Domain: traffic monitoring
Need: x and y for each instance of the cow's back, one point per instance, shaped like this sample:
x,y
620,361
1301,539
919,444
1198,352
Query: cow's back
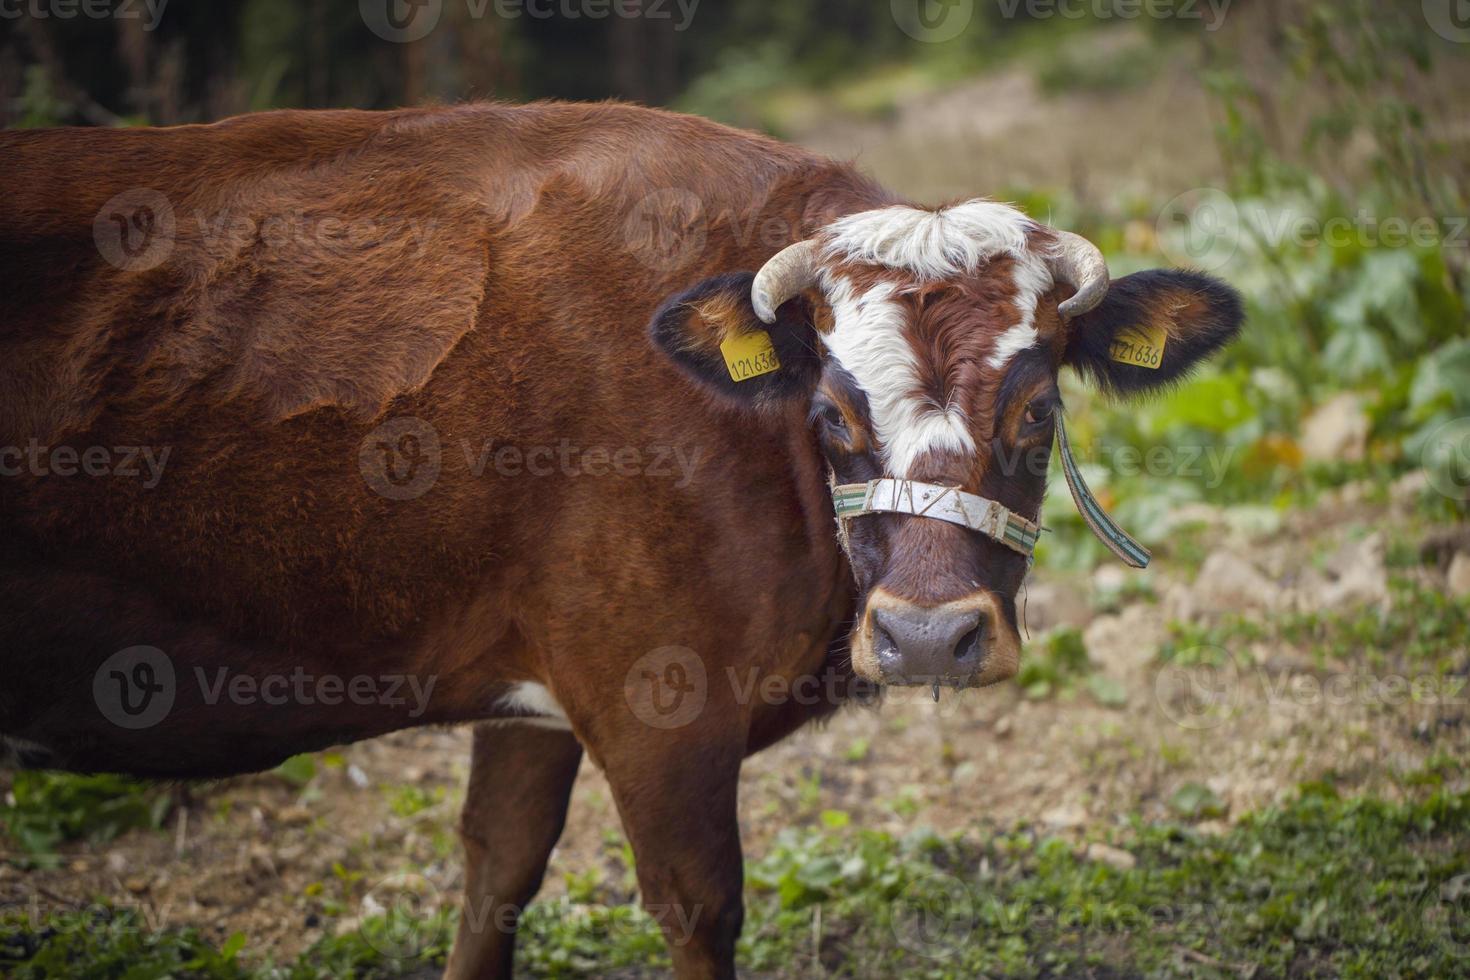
x,y
344,329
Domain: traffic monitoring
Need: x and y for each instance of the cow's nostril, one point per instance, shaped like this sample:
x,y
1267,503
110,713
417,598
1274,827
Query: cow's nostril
x,y
969,644
886,647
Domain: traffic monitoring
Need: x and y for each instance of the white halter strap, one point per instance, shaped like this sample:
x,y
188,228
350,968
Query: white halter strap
x,y
889,496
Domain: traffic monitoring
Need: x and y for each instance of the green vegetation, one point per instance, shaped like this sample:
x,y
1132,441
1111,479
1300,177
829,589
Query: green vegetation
x,y
1420,628
1321,886
44,809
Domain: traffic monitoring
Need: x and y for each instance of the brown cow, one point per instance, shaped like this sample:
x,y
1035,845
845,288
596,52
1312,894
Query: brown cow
x,y
315,426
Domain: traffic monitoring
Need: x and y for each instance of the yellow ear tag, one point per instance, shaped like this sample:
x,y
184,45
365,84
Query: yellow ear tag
x,y
1139,346
749,355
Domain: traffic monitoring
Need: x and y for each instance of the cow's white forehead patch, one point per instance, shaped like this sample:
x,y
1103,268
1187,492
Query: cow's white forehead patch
x,y
867,337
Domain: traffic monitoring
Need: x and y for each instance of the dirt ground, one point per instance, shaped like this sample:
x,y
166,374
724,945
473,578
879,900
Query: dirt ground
x,y
282,863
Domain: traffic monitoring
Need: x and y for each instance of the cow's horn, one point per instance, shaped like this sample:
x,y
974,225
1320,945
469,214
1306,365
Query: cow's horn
x,y
785,274
1079,264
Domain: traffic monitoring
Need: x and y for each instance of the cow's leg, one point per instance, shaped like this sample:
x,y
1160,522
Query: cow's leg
x,y
675,791
520,783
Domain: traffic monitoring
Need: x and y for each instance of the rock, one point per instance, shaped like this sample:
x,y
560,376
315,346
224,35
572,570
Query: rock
x,y
1228,583
1178,603
1113,857
1110,578
1360,576
1457,580
1337,430
1065,817
293,816
1405,492
1124,644
1048,603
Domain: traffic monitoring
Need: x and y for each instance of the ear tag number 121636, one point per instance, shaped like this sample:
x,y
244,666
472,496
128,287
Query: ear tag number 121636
x,y
749,355
1139,346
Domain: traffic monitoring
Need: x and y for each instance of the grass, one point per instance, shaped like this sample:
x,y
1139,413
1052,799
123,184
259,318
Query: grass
x,y
1320,886
1421,628
44,809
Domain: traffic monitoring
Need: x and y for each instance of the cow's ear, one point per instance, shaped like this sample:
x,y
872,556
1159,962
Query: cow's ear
x,y
1153,329
712,333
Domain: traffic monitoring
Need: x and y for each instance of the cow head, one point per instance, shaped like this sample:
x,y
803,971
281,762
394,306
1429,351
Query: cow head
x,y
926,345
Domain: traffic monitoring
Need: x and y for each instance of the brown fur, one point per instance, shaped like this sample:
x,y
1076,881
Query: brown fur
x,y
264,365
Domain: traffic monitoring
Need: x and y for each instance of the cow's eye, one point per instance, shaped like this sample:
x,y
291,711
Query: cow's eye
x,y
832,418
1040,410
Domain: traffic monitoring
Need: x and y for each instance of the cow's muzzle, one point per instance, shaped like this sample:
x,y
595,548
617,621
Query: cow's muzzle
x,y
963,643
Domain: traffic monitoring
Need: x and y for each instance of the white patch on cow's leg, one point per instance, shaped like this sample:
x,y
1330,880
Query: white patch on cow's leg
x,y
530,703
